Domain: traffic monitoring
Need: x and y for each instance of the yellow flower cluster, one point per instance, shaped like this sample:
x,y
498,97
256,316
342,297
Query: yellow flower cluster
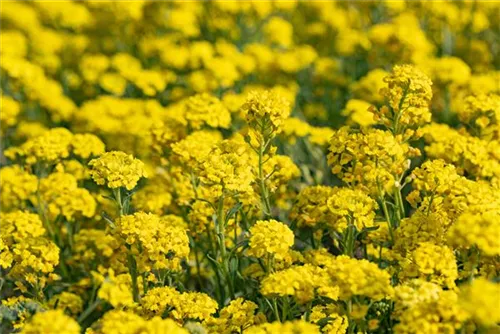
x,y
359,278
470,154
310,208
270,238
117,169
157,244
424,307
60,194
477,230
67,301
300,282
119,321
249,167
336,324
24,249
266,111
204,109
369,159
10,110
237,316
358,112
227,169
350,207
408,94
480,301
116,289
482,114
56,144
296,327
17,186
187,305
431,262
52,321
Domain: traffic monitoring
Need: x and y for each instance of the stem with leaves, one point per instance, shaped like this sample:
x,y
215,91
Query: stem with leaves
x,y
122,206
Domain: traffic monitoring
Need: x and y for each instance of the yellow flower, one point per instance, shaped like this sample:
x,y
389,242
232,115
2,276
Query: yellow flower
x,y
480,300
20,225
227,169
301,282
295,326
52,321
482,113
117,169
358,113
270,238
336,324
266,111
368,87
431,262
33,259
204,109
447,70
310,208
117,290
480,230
158,245
10,109
17,187
408,94
67,301
368,158
49,147
195,147
61,196
113,83
235,317
359,278
350,207
91,246
86,145
127,322
153,197
181,306
424,307
279,31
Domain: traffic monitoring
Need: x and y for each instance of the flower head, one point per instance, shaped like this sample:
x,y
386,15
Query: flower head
x,y
270,237
117,169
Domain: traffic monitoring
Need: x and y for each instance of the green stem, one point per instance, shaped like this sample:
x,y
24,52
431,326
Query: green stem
x,y
447,102
198,267
132,267
262,182
118,199
222,245
399,202
350,329
284,311
220,227
308,310
388,218
43,215
349,240
275,309
88,311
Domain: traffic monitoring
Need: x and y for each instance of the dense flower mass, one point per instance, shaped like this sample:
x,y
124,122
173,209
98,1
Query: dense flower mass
x,y
249,167
117,169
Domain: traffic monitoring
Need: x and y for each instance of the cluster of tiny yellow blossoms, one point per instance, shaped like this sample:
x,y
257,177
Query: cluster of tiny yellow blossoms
x,y
155,242
266,111
270,238
408,94
117,169
249,167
